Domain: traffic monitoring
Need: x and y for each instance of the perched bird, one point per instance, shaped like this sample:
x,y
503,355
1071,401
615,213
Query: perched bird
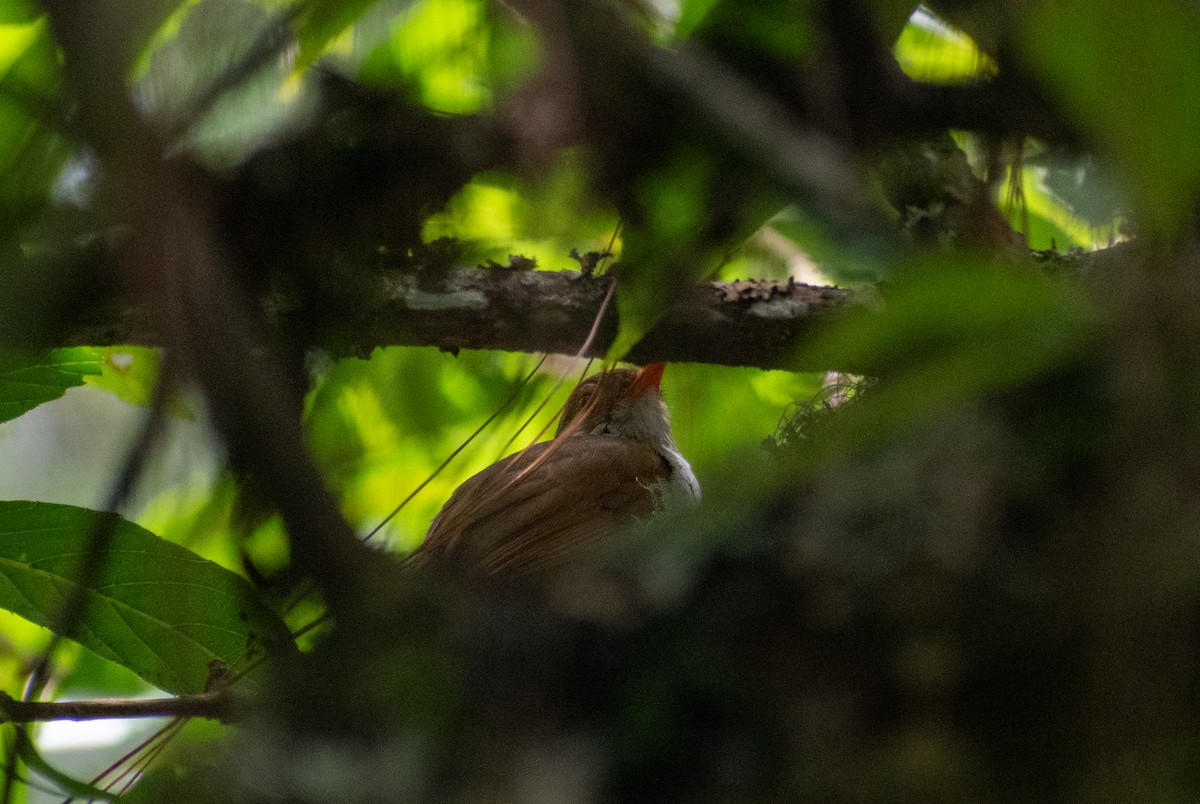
x,y
612,460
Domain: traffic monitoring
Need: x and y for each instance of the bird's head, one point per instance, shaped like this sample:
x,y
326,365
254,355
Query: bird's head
x,y
620,402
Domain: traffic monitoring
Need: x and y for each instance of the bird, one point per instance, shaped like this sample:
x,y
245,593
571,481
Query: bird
x,y
612,460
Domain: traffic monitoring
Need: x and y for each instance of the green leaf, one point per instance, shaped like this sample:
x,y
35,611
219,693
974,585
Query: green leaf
x,y
130,373
318,24
771,29
1130,73
127,372
186,66
15,39
691,15
157,609
669,247
439,47
929,49
952,331
27,379
17,12
33,149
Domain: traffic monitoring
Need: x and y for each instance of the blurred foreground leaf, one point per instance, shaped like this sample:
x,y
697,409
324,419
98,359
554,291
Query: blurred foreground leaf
x,y
953,331
157,609
318,24
1130,72
27,379
931,50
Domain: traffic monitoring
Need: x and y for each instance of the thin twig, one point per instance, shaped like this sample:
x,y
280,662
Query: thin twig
x,y
152,745
164,734
138,767
516,392
215,705
587,344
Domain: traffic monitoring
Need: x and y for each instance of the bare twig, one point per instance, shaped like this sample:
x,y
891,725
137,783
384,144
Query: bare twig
x,y
503,405
215,705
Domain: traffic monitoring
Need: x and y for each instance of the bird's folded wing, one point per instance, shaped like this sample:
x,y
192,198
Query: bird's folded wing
x,y
532,508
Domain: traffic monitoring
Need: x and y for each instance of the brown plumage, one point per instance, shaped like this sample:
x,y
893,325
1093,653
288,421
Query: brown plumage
x,y
611,461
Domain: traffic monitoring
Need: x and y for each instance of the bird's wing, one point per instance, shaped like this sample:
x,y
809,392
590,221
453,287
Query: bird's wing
x,y
530,509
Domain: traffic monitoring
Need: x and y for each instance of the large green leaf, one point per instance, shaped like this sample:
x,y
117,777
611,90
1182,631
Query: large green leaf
x,y
951,331
158,609
1130,73
27,379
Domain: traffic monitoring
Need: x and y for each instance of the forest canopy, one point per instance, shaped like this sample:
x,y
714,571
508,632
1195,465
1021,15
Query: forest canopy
x,y
276,277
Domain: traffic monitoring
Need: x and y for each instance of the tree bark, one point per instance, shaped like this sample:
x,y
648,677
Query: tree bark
x,y
762,323
744,323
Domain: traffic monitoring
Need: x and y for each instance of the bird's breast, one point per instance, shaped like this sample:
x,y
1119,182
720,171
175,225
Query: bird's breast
x,y
681,487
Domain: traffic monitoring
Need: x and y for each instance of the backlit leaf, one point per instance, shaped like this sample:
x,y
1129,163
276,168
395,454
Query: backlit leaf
x,y
27,379
157,608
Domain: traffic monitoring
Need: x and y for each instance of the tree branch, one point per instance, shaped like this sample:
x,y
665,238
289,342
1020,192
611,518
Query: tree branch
x,y
215,705
746,323
762,323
